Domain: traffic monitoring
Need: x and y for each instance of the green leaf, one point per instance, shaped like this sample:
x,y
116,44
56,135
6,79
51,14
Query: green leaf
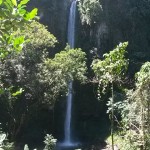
x,y
22,11
31,15
23,2
14,2
18,92
2,137
18,43
1,2
9,6
1,90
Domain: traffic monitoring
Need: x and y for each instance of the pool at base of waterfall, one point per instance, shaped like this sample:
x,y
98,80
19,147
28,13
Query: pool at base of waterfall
x,y
68,146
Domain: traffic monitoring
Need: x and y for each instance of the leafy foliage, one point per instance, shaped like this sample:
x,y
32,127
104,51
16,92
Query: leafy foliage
x,y
4,144
111,70
112,67
50,142
90,11
19,66
122,142
143,76
37,36
26,147
12,17
136,110
19,74
38,42
56,73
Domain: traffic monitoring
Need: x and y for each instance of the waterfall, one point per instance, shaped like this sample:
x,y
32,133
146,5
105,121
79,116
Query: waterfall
x,y
68,116
68,143
71,24
71,42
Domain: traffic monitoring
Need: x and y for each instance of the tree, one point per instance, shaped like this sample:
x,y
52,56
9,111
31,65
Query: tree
x,y
12,17
143,95
136,110
55,74
90,11
109,71
19,76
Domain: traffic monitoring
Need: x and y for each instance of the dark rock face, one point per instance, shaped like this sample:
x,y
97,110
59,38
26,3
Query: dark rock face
x,y
120,21
54,14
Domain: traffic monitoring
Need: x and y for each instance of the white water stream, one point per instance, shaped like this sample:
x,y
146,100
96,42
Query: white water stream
x,y
71,42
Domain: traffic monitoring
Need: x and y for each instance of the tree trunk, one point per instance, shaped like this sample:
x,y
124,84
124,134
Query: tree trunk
x,y
143,121
112,117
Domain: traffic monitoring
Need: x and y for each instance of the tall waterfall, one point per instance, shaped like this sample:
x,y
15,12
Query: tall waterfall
x,y
71,42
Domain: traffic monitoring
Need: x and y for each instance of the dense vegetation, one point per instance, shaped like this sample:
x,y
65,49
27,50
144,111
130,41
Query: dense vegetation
x,y
32,79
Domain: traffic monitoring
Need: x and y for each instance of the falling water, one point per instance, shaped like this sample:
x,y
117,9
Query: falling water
x,y
71,42
71,24
68,116
68,143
